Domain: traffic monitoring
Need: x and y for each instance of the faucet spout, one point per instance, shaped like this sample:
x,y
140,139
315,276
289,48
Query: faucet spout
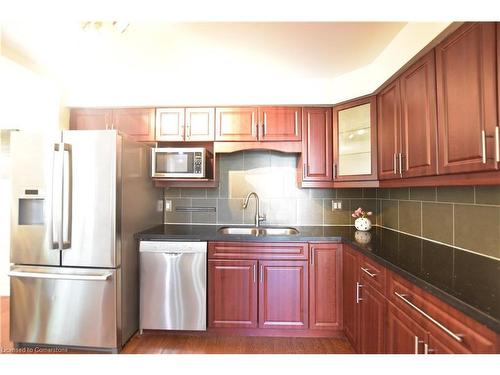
x,y
258,218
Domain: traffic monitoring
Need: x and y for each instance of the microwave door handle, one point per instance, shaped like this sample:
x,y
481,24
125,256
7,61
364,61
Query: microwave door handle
x,y
67,192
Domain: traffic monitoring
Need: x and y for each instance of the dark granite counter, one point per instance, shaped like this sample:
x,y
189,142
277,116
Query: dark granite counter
x,y
467,281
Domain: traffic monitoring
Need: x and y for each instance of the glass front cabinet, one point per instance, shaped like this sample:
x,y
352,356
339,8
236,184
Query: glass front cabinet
x,y
354,140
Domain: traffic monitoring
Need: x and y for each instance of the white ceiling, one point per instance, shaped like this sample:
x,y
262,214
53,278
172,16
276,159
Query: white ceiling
x,y
302,50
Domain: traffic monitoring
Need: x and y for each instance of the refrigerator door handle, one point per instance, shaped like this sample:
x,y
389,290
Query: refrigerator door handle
x,y
67,199
60,276
56,211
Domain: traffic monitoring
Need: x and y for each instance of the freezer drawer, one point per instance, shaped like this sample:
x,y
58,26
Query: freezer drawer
x,y
173,285
64,306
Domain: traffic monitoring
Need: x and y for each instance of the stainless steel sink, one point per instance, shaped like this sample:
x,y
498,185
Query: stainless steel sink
x,y
261,231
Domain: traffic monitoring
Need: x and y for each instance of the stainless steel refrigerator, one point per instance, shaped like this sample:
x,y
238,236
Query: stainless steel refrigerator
x,y
78,197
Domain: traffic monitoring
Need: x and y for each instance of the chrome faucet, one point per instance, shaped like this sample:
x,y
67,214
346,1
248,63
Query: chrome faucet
x,y
258,217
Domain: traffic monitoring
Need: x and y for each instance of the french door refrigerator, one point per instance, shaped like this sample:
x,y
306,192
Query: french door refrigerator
x,y
78,197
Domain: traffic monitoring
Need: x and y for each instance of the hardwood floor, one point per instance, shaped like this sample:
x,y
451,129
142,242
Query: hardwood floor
x,y
165,343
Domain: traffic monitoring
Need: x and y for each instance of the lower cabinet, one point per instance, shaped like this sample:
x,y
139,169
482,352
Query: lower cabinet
x,y
404,334
232,293
372,314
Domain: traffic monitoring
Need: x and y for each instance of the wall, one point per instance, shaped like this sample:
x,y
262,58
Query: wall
x,y
467,217
272,175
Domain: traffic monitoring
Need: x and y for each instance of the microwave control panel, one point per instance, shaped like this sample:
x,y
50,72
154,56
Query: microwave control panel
x,y
197,163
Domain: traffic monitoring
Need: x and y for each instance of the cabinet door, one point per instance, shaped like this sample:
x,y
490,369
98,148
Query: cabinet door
x,y
317,144
283,297
372,321
236,124
404,335
280,123
467,99
200,123
170,124
325,287
418,120
349,290
90,119
232,293
388,124
355,141
139,123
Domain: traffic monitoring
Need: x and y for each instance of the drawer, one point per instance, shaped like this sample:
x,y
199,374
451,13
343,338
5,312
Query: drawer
x,y
372,274
258,250
442,321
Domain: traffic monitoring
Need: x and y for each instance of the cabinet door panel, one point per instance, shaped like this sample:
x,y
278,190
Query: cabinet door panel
x,y
280,123
372,321
236,124
388,130
139,123
232,293
283,297
325,287
350,311
200,123
170,124
90,119
317,144
467,99
418,120
404,335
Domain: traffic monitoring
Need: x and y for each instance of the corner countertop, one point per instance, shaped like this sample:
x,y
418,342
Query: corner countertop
x,y
467,281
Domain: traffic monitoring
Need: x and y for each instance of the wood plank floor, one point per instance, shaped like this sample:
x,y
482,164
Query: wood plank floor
x,y
166,343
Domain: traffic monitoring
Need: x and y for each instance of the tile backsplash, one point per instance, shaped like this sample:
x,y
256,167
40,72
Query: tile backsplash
x,y
467,217
273,176
464,216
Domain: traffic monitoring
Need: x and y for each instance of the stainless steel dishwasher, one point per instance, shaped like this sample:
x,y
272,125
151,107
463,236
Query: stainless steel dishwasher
x,y
173,285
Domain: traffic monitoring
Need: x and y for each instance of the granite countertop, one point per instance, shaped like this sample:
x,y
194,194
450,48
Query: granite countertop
x,y
466,281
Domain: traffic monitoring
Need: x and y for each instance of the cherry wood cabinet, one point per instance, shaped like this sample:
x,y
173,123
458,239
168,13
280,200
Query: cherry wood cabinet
x,y
355,140
466,73
350,289
185,124
372,314
404,334
325,286
280,123
138,123
236,124
232,293
419,119
317,144
389,130
283,294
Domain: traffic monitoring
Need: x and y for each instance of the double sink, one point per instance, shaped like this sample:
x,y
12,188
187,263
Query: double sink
x,y
259,231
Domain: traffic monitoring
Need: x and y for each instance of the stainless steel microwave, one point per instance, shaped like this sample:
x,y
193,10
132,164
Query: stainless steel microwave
x,y
178,162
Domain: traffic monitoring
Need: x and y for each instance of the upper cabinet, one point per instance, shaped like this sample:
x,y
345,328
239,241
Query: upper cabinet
x,y
407,123
258,124
185,124
466,64
138,123
317,144
355,141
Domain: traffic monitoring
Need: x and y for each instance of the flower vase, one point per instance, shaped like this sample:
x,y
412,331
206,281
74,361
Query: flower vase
x,y
362,223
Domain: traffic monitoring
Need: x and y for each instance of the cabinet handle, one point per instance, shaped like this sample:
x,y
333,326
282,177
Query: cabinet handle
x,y
417,344
365,270
254,273
454,335
358,292
264,126
335,171
312,257
188,131
401,164
306,170
261,273
296,124
497,144
395,164
427,350
256,125
483,145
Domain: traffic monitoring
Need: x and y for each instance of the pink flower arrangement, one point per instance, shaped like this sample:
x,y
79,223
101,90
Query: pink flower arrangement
x,y
360,213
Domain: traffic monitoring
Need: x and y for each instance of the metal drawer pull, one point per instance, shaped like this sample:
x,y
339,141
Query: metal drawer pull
x,y
497,144
395,163
358,294
483,145
365,270
455,336
417,343
59,276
